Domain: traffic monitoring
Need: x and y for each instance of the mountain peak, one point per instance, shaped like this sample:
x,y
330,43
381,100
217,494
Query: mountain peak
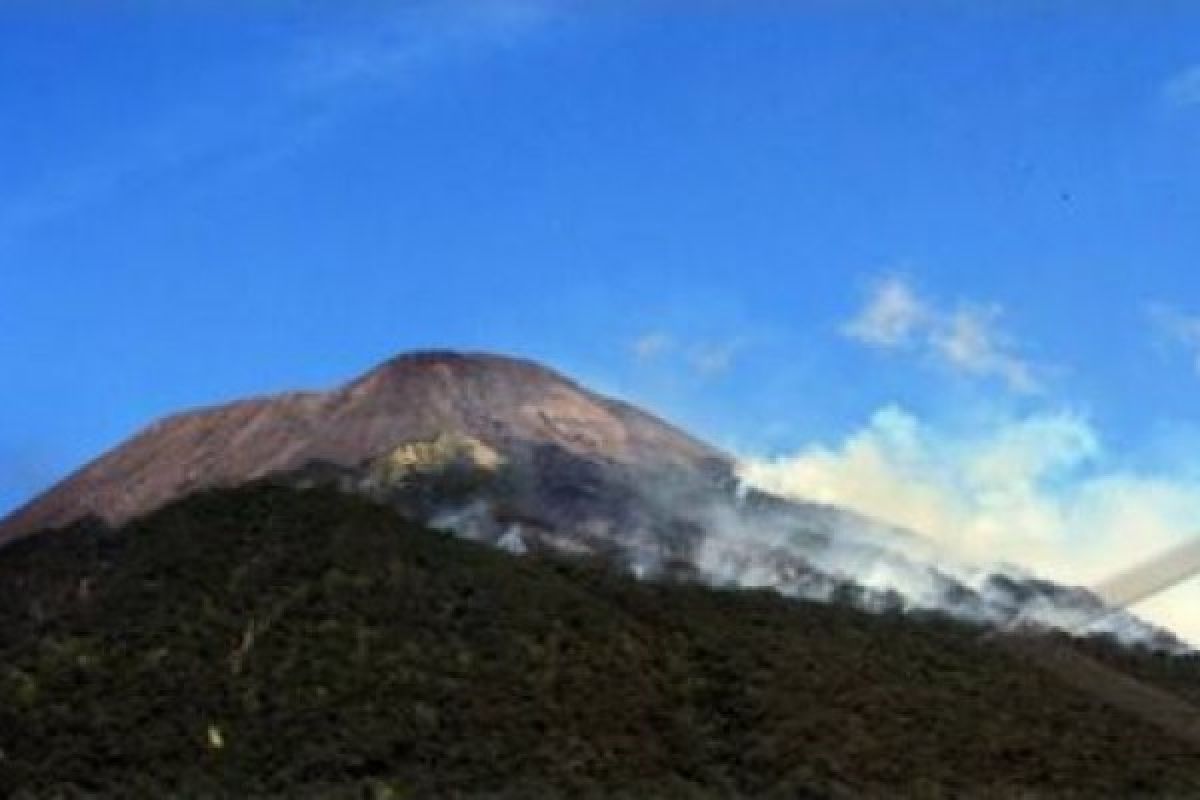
x,y
449,370
512,405
461,359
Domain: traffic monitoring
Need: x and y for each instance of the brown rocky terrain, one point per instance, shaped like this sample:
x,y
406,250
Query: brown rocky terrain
x,y
522,412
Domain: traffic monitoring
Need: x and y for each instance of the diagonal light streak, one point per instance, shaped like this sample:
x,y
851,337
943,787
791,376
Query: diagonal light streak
x,y
1153,576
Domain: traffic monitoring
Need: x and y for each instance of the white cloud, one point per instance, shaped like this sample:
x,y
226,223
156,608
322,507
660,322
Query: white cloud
x,y
713,359
970,340
890,317
1179,329
1183,88
414,36
967,339
705,359
651,345
1038,491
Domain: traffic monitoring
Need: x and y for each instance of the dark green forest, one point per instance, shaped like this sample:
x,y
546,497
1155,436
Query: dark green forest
x,y
266,641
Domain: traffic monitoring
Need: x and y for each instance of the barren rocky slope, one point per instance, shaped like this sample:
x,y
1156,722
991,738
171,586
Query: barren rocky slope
x,y
523,411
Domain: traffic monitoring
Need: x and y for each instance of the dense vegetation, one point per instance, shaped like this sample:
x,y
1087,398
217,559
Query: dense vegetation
x,y
267,641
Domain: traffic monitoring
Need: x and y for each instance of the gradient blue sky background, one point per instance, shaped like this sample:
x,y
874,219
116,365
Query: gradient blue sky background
x,y
770,222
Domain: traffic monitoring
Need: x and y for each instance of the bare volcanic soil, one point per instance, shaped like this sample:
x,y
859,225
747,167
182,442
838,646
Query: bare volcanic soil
x,y
513,406
266,641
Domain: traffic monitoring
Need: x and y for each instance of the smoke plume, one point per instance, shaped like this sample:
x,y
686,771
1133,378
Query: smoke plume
x,y
1038,491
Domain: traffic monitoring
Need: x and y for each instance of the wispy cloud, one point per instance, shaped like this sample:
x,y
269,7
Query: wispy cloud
x,y
968,338
890,317
1177,328
971,340
715,358
415,37
652,345
705,359
1183,88
283,105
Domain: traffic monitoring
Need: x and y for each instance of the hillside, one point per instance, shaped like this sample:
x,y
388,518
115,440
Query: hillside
x,y
509,452
274,642
528,415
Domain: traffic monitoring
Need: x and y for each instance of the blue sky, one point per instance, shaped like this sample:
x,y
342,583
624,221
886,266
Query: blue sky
x,y
771,222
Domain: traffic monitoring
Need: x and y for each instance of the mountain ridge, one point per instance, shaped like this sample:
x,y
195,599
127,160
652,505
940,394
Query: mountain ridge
x,y
511,453
414,396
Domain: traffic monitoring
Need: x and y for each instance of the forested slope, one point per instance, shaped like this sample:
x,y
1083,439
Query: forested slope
x,y
267,641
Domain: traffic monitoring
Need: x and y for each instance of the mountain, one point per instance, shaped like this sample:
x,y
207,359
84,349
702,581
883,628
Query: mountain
x,y
510,453
270,642
529,414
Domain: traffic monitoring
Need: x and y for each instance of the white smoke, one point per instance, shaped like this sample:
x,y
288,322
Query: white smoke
x,y
1039,491
953,521
473,521
512,541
